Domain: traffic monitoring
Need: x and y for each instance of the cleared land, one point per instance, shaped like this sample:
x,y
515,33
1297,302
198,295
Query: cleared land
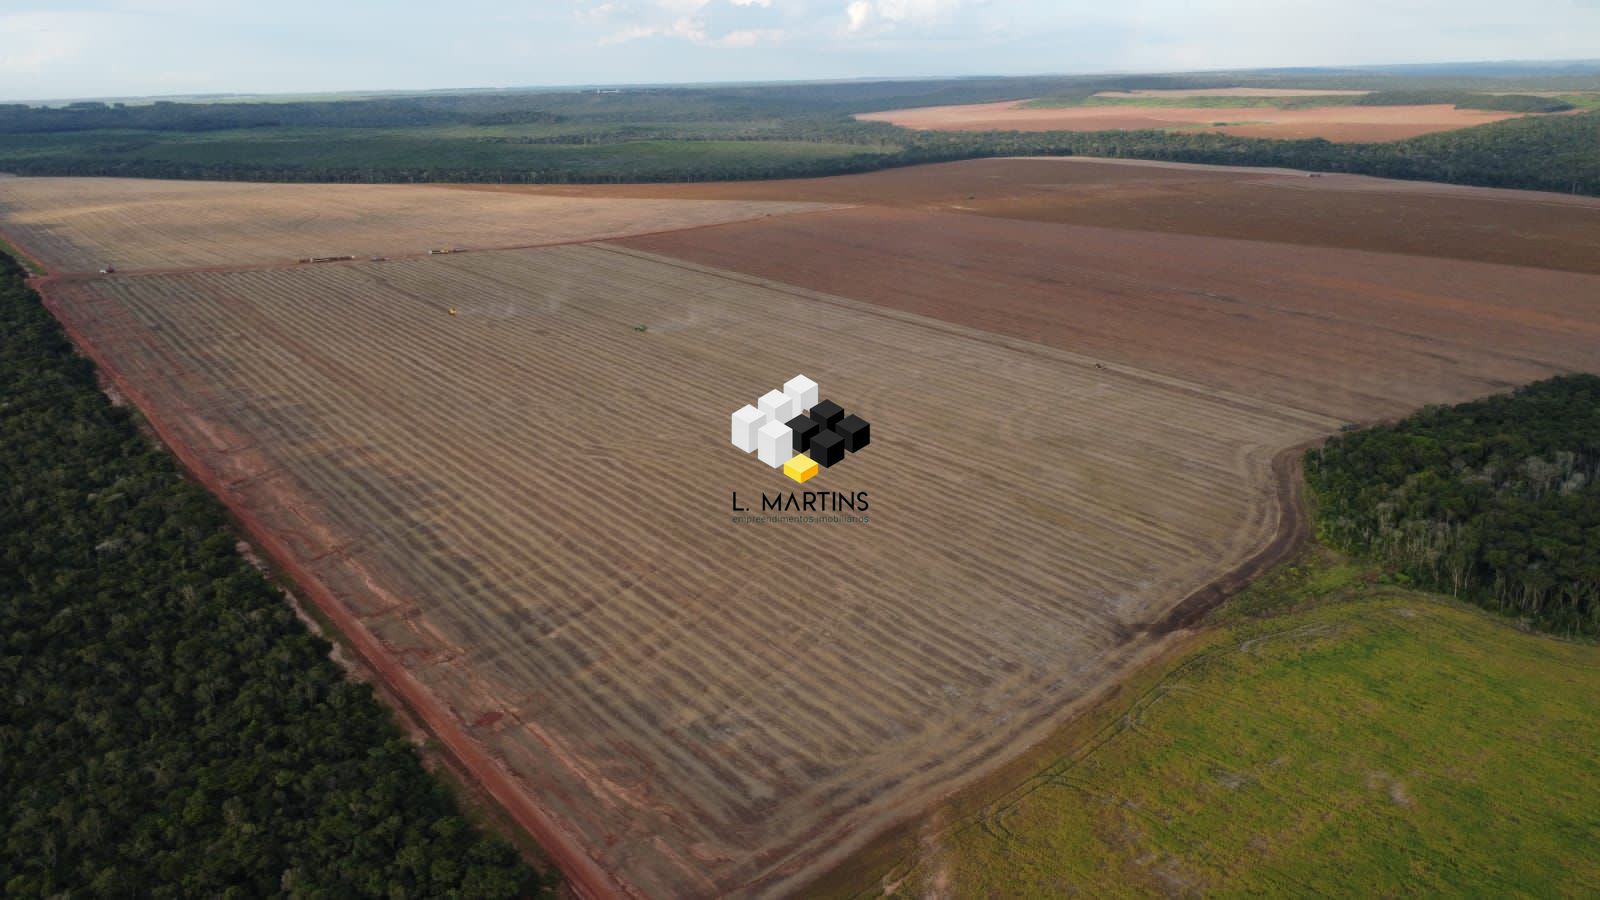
x,y
1342,333
1334,123
1523,228
1386,744
83,224
1179,93
528,504
522,511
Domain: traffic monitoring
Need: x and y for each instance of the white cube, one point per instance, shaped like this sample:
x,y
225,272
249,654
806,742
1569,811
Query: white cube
x,y
776,441
803,391
778,406
746,422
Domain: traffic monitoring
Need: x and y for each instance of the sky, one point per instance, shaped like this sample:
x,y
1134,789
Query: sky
x,y
80,48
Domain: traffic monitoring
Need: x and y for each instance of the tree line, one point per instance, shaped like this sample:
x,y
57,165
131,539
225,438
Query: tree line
x,y
1496,501
170,728
1556,153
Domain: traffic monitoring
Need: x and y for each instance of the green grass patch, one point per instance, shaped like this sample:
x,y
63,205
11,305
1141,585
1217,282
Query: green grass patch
x,y
1581,101
7,249
1333,735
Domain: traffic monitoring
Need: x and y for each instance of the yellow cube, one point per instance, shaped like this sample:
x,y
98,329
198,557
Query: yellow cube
x,y
800,468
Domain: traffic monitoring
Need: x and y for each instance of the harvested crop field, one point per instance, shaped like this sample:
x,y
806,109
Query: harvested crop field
x,y
1342,333
1334,123
84,224
528,505
1522,228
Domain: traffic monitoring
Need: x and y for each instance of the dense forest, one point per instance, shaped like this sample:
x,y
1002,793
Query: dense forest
x,y
778,131
171,729
1495,501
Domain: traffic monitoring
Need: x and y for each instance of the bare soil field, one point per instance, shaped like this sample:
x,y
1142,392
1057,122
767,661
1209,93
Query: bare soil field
x,y
521,512
1231,92
1334,123
1524,228
84,224
527,505
1342,333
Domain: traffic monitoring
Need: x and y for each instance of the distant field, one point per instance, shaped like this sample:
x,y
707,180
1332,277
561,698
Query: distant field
x,y
1519,228
1196,93
1219,98
1336,123
83,224
1383,744
1342,333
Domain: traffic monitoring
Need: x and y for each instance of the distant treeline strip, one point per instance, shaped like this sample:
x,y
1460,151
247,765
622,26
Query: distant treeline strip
x,y
1549,153
171,729
1495,501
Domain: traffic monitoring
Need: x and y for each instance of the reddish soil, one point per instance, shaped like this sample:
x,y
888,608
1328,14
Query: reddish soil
x,y
1525,228
1334,123
1351,334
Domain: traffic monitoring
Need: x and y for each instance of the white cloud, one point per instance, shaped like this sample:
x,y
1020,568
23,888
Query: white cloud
x,y
863,16
39,41
857,14
749,37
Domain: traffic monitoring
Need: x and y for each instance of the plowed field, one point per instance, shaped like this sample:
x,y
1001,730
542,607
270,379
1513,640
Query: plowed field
x,y
1524,228
528,504
507,474
84,224
1342,333
1334,123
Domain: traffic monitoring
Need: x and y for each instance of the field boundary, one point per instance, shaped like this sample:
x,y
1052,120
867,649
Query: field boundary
x,y
584,877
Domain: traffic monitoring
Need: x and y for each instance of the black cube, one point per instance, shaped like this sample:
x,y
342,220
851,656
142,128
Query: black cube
x,y
827,448
827,413
855,431
804,428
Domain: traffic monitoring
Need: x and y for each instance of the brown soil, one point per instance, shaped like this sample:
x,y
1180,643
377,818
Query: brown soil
x,y
1334,123
486,501
396,461
84,224
1525,228
1231,92
1349,334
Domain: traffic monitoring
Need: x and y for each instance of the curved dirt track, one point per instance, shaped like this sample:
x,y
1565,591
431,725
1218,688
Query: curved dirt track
x,y
1294,528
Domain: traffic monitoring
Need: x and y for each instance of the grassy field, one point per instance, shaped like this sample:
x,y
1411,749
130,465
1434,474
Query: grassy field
x,y
1335,736
21,258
